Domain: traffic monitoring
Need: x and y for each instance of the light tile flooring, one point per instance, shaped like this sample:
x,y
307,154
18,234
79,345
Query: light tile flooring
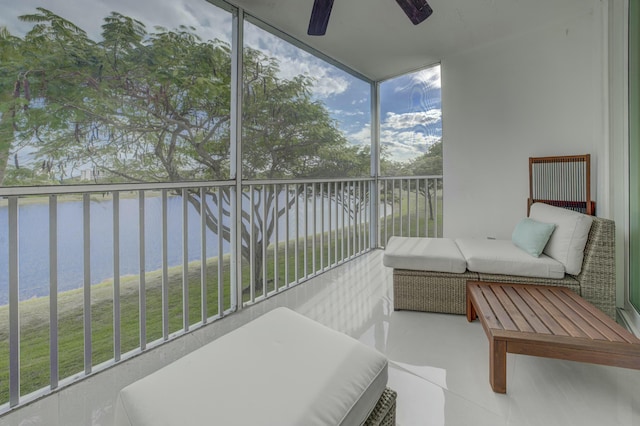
x,y
439,363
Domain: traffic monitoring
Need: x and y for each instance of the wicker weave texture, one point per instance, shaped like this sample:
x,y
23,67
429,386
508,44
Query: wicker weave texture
x,y
384,413
430,291
568,281
598,275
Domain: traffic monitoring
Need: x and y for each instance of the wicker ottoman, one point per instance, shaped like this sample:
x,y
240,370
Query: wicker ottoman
x,y
429,274
280,369
430,291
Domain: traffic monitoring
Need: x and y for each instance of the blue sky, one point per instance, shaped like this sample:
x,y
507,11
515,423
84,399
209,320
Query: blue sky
x,y
411,116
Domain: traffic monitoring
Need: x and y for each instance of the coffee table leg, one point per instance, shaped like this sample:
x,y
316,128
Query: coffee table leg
x,y
498,365
471,311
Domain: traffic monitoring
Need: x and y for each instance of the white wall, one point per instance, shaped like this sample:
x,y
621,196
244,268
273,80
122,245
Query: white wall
x,y
535,94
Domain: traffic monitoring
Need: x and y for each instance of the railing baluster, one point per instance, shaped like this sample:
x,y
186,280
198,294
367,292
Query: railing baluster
x,y
252,244
329,223
386,215
401,214
286,235
313,218
426,207
165,266
204,314
117,350
335,202
86,236
220,255
417,208
356,218
53,291
357,213
142,289
408,207
365,221
306,228
296,256
368,212
265,240
393,206
321,195
14,313
435,213
349,224
363,215
276,230
342,225
185,259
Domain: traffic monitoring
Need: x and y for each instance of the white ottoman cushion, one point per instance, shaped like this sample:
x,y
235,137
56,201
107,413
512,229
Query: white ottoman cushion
x,y
280,369
503,257
424,254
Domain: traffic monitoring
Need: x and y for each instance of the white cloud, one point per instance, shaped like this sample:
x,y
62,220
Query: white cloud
x,y
415,141
294,61
426,79
327,81
361,137
343,113
404,135
430,77
411,119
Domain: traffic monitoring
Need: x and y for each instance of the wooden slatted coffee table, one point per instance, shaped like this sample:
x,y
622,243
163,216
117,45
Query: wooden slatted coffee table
x,y
546,321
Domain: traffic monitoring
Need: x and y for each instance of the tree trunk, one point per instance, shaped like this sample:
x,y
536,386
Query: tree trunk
x,y
430,202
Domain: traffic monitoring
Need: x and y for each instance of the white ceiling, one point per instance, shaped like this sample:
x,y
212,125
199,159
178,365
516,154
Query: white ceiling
x,y
376,39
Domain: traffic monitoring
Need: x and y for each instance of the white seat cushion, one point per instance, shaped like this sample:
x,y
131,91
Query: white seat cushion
x,y
503,257
280,369
424,254
567,242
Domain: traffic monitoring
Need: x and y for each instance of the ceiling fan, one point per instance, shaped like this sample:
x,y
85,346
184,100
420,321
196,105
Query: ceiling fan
x,y
416,10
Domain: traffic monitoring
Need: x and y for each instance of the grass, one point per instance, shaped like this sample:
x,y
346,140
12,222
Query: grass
x,y
34,322
34,313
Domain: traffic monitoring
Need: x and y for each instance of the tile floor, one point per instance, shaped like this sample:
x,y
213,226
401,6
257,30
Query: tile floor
x,y
439,363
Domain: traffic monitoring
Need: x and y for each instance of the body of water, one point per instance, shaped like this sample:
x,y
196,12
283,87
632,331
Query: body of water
x,y
33,240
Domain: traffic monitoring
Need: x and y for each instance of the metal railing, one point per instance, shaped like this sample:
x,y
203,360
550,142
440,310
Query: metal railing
x,y
297,229
126,237
129,267
410,206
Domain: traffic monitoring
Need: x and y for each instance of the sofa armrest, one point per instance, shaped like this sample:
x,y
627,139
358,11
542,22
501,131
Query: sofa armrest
x,y
597,277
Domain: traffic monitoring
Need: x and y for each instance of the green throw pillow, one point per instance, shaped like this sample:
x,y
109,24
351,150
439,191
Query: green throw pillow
x,y
531,235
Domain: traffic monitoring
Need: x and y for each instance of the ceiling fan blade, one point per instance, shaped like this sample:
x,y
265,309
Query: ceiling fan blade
x,y
319,17
416,10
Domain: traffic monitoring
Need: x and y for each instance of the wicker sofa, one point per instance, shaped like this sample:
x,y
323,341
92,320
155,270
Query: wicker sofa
x,y
430,291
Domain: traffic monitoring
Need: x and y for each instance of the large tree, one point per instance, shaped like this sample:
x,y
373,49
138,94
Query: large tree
x,y
142,106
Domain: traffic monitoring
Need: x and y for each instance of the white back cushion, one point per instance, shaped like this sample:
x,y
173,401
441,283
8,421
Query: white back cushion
x,y
568,240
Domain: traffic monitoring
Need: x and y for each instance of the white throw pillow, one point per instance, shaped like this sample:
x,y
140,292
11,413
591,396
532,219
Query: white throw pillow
x,y
568,240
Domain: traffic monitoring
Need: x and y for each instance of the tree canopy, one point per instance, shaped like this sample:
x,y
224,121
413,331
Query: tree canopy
x,y
154,106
